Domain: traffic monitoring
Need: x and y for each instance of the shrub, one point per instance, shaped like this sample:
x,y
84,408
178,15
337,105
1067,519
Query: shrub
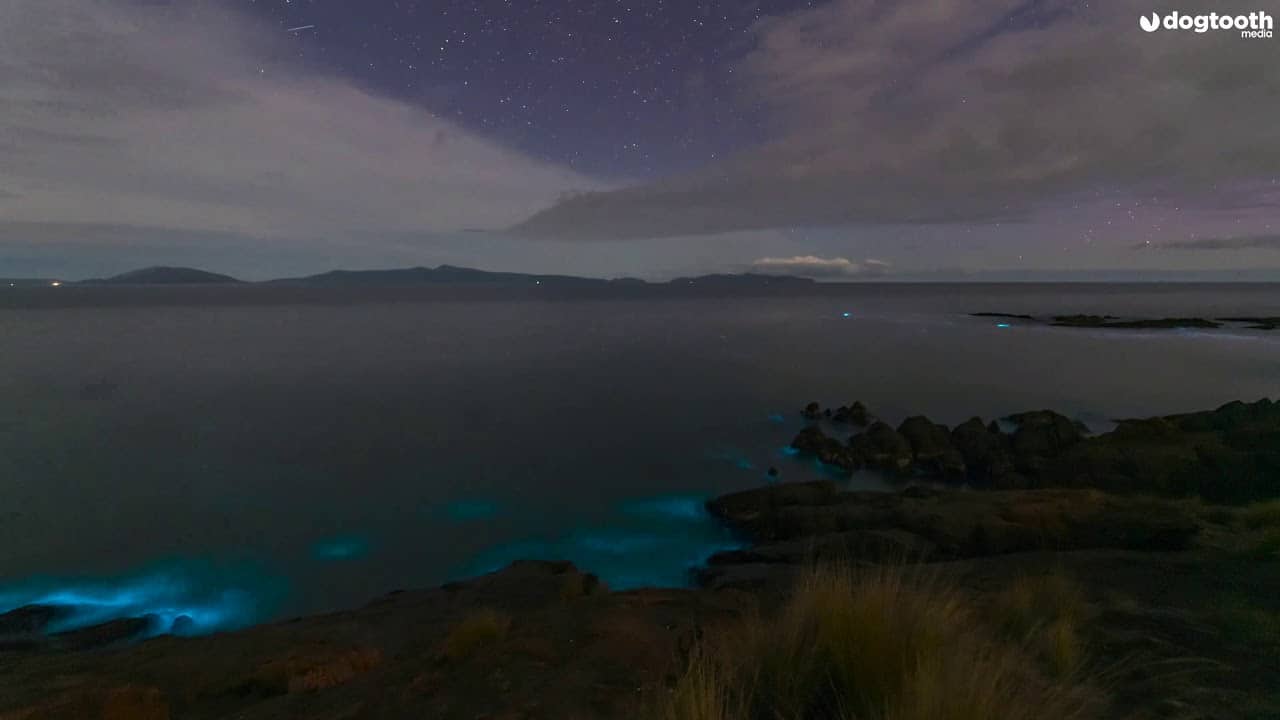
x,y
476,630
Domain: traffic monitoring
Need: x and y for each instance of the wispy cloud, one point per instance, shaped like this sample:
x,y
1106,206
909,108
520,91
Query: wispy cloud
x,y
964,110
182,119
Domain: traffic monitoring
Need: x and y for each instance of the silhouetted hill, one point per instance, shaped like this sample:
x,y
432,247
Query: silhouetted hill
x,y
164,276
453,275
443,275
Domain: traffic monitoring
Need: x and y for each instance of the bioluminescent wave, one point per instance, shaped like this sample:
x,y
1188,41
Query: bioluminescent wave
x,y
680,507
181,597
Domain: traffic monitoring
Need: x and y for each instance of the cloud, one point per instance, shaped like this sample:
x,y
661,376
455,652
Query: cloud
x,y
1254,242
964,110
181,118
818,267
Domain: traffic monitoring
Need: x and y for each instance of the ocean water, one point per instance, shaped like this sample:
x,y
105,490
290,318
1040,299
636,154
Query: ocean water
x,y
238,455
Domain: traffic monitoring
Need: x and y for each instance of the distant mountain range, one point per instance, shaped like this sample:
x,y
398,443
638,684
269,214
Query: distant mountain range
x,y
453,276
161,275
419,276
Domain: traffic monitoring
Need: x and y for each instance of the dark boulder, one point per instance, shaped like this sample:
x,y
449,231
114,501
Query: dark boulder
x,y
183,626
831,451
108,633
883,448
987,452
1043,434
1146,431
31,619
855,414
809,440
931,447
812,411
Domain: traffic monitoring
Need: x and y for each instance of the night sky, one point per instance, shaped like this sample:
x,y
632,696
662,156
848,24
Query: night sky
x,y
836,138
615,88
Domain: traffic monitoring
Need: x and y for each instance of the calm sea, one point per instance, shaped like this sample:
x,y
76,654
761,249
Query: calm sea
x,y
240,454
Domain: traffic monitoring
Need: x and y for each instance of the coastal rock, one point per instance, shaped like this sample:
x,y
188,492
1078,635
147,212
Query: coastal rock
x,y
742,506
105,634
1231,454
31,619
813,441
932,449
1232,417
1043,434
855,414
1111,322
1255,323
987,453
883,448
792,525
25,628
854,546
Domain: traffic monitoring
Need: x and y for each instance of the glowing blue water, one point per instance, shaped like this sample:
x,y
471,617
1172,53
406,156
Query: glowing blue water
x,y
346,547
187,597
649,542
684,507
362,445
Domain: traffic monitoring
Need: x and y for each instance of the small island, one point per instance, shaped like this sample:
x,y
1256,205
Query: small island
x,y
1111,322
163,275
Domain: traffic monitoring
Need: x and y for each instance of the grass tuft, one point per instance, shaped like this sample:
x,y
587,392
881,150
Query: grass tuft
x,y
1261,515
878,644
1047,613
478,629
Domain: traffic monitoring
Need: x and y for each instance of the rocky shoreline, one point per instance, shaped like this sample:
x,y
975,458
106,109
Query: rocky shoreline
x,y
1171,574
1111,322
1231,454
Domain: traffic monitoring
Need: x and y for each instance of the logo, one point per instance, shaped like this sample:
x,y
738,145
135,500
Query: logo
x,y
1253,25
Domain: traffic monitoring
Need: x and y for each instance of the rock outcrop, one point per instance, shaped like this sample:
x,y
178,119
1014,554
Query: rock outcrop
x,y
794,524
1229,454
